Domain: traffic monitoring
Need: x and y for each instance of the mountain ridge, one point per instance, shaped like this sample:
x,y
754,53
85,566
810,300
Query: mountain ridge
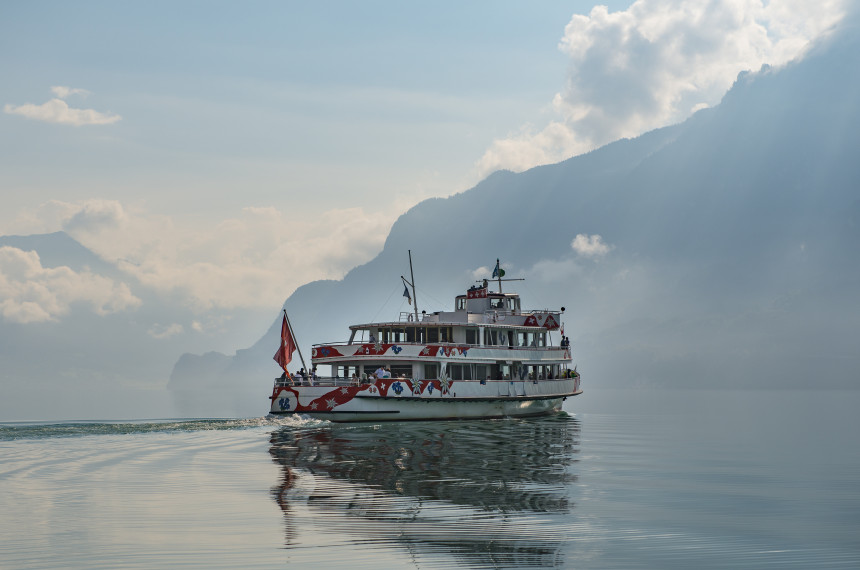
x,y
736,228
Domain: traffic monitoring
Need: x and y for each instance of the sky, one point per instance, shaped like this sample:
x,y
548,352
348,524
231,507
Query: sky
x,y
229,153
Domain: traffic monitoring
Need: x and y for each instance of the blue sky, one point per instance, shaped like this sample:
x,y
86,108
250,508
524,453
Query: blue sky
x,y
232,152
272,96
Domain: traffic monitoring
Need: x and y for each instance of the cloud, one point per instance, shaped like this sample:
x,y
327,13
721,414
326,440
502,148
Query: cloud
x,y
58,111
482,272
165,331
64,92
590,246
654,64
95,216
32,293
253,260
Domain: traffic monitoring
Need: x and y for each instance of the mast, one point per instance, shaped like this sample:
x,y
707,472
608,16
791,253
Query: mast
x,y
414,295
498,273
295,340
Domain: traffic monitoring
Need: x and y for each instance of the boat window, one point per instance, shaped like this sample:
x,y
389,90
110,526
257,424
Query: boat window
x,y
401,371
471,336
446,334
345,371
460,371
432,335
461,303
494,337
431,371
520,371
410,334
481,371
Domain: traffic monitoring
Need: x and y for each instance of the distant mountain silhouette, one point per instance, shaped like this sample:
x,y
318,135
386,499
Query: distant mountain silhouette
x,y
80,364
59,249
736,246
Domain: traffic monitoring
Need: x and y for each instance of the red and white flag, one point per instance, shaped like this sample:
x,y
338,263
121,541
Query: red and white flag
x,y
288,346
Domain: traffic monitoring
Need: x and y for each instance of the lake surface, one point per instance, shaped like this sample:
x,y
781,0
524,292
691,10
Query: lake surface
x,y
624,479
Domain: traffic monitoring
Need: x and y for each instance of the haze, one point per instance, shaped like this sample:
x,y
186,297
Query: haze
x,y
203,161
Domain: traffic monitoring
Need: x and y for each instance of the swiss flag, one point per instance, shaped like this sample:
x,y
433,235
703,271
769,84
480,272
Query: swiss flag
x,y
288,347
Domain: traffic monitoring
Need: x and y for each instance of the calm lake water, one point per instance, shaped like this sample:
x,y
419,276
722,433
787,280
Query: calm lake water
x,y
624,479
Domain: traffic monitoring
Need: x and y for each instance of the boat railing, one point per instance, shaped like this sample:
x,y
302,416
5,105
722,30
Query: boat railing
x,y
497,315
409,317
297,380
443,343
336,381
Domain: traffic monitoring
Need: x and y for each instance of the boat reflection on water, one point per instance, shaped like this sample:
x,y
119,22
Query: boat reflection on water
x,y
493,492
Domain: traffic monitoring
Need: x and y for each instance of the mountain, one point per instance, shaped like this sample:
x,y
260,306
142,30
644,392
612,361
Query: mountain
x,y
84,339
59,249
734,236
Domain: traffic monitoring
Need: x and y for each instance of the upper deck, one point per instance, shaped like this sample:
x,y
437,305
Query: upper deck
x,y
485,326
478,307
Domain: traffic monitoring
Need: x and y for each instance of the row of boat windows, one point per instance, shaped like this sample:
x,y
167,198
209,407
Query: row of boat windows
x,y
470,335
511,304
498,371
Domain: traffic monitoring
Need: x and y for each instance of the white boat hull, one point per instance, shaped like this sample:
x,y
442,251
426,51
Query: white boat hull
x,y
403,399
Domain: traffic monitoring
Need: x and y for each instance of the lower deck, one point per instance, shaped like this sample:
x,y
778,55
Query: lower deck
x,y
402,398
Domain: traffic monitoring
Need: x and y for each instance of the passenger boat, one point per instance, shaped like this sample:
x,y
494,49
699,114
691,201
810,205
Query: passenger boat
x,y
488,358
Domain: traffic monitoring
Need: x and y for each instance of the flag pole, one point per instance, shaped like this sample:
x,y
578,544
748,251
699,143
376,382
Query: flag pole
x,y
295,340
414,295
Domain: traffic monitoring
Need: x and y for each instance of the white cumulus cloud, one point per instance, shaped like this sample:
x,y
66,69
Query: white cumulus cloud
x,y
654,64
32,293
63,92
58,111
252,260
590,246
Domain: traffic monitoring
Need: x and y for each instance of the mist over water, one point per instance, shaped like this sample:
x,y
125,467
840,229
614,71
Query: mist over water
x,y
633,479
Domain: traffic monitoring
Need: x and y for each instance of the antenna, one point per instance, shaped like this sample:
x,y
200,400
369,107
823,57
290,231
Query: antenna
x,y
412,284
498,272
